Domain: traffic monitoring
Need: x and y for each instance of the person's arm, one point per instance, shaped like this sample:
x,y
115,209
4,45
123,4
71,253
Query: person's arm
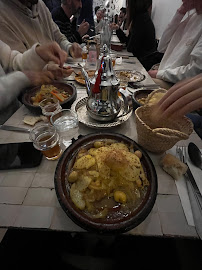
x,y
169,31
184,97
182,72
122,36
11,86
33,59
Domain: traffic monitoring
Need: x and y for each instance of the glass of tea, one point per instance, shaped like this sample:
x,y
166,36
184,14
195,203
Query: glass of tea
x,y
66,123
50,106
113,58
46,139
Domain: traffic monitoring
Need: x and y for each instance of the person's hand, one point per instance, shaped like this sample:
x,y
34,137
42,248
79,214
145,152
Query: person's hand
x,y
114,26
186,7
52,52
153,73
182,98
58,71
83,28
75,50
85,37
38,78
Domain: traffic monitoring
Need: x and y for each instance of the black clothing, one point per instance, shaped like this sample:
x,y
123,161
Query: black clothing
x,y
141,40
51,4
87,15
66,27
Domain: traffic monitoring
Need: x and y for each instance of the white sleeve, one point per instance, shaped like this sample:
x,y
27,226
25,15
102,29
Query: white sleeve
x,y
13,60
10,87
187,71
169,31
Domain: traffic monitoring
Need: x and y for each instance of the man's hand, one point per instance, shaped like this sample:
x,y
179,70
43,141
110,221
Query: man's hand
x,y
83,28
153,73
58,71
114,26
38,78
52,52
75,50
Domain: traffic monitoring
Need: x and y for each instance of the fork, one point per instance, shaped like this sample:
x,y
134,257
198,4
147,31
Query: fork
x,y
182,154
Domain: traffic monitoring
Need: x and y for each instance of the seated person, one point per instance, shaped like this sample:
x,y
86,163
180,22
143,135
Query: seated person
x,y
31,63
122,19
61,15
141,40
98,20
31,23
87,15
182,45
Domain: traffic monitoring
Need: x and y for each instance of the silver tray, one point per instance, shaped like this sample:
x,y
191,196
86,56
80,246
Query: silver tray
x,y
79,106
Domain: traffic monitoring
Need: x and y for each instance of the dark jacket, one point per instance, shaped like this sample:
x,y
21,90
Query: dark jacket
x,y
142,38
51,4
87,13
66,27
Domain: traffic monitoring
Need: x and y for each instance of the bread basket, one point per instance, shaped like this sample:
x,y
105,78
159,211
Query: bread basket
x,y
160,138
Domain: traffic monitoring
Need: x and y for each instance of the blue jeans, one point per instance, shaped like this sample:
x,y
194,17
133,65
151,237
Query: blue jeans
x,y
197,121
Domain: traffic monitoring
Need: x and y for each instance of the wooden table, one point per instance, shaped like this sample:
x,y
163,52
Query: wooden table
x,y
28,198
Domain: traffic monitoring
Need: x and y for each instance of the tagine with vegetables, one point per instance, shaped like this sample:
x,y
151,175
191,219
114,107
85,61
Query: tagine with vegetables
x,y
49,91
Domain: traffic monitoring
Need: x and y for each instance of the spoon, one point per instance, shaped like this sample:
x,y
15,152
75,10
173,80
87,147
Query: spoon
x,y
195,155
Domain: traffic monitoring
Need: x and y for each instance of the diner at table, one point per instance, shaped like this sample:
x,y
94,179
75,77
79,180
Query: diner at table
x,y
104,150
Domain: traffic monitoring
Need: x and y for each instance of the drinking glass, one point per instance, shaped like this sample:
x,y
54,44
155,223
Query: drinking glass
x,y
46,139
66,123
49,106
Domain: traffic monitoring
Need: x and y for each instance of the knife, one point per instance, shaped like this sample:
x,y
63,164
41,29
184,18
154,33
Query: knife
x,y
12,128
196,190
196,209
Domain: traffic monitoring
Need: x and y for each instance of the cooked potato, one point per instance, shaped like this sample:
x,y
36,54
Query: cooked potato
x,y
84,162
77,197
73,177
138,154
83,183
98,144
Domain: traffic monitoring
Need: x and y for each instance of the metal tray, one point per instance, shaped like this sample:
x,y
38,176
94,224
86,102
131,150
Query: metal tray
x,y
79,106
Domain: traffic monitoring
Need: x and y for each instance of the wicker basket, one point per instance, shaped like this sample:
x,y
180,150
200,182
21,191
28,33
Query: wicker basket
x,y
159,139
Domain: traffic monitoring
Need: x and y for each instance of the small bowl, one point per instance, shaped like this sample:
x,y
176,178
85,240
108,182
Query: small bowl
x,y
120,223
69,88
140,94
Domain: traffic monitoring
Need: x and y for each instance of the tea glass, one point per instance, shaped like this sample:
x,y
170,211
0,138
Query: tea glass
x,y
113,58
46,139
49,106
66,123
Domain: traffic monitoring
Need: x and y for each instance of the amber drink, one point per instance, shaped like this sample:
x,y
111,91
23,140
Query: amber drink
x,y
46,139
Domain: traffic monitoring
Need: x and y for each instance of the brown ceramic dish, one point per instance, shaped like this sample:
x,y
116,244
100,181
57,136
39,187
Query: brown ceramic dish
x,y
118,224
138,95
69,88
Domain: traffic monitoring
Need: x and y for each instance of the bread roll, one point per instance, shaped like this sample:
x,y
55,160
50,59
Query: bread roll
x,y
173,166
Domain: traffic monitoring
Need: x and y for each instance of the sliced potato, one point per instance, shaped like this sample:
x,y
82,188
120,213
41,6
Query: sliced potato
x,y
83,183
73,177
77,197
84,162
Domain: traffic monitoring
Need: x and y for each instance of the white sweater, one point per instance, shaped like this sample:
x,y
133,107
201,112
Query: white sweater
x,y
182,44
12,84
21,27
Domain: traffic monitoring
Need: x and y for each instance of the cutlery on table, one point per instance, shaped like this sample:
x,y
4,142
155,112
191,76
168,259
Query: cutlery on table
x,y
12,128
193,192
195,155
